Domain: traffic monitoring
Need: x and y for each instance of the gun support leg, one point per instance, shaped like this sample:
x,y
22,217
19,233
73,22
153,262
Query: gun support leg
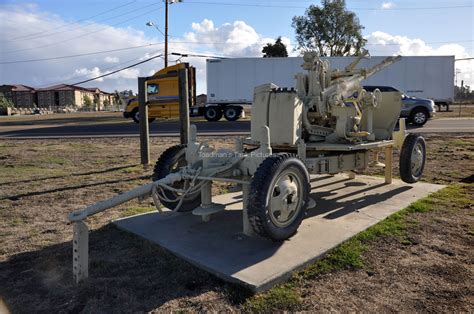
x,y
388,164
206,198
80,253
247,227
351,174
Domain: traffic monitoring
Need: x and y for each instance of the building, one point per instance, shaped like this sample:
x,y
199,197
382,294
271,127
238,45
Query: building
x,y
21,95
64,95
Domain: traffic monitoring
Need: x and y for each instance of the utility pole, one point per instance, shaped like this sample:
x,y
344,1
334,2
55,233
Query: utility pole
x,y
183,88
143,117
166,33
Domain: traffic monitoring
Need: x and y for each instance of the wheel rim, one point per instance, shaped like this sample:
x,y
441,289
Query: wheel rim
x,y
211,113
231,113
419,117
175,167
137,116
417,159
284,198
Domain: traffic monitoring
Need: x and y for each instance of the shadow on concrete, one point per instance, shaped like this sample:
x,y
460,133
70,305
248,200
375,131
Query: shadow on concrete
x,y
127,274
336,207
72,175
217,245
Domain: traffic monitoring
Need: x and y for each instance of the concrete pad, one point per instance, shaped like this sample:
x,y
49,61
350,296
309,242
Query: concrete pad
x,y
344,208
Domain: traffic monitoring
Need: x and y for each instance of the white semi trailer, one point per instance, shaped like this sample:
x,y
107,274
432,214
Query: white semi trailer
x,y
231,82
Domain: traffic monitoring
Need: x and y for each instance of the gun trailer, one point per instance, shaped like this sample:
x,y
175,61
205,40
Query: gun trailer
x,y
316,127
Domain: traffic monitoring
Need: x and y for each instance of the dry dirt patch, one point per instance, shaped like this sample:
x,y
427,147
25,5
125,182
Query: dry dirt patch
x,y
43,180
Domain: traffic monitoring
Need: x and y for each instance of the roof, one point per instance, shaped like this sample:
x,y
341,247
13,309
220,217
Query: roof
x,y
20,88
66,87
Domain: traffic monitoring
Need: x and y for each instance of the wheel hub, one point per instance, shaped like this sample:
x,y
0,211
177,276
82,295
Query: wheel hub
x,y
284,199
417,159
419,117
231,113
211,113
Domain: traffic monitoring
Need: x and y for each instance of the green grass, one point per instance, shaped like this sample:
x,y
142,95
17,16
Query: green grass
x,y
349,255
17,172
132,169
137,210
281,298
55,160
459,142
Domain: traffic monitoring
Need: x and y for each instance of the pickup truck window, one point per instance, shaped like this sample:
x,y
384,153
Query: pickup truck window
x,y
153,89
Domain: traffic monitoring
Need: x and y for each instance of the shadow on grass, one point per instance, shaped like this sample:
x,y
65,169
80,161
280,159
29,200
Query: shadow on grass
x,y
72,175
127,274
16,197
60,120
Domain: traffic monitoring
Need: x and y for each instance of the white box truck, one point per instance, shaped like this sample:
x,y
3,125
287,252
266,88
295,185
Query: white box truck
x,y
230,82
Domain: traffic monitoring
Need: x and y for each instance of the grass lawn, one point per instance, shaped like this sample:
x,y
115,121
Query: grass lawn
x,y
419,259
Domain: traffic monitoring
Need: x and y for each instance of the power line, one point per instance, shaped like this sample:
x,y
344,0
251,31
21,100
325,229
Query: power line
x,y
185,42
86,25
463,59
81,54
86,75
302,7
119,70
80,36
75,22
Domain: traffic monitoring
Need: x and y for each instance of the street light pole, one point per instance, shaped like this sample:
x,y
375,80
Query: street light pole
x,y
166,33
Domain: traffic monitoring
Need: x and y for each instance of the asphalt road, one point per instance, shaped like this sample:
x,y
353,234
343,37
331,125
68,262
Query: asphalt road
x,y
129,129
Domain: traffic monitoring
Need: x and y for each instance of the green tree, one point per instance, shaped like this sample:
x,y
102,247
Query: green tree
x,y
117,100
87,102
6,103
331,30
278,49
96,103
106,104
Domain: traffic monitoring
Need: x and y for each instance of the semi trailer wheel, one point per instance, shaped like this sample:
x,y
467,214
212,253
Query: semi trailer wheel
x,y
279,195
171,161
232,113
412,158
136,117
212,113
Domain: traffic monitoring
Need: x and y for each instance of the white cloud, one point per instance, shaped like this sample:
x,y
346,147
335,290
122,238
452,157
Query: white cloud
x,y
380,43
387,5
232,39
110,59
41,29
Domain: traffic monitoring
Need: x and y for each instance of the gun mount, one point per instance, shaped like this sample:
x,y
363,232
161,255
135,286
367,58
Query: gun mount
x,y
328,125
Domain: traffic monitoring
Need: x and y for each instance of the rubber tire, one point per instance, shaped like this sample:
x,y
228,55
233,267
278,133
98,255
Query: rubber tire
x,y
258,211
418,110
163,167
134,113
213,117
238,113
406,173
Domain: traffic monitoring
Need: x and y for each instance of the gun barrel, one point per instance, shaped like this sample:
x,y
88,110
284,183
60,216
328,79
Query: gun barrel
x,y
385,63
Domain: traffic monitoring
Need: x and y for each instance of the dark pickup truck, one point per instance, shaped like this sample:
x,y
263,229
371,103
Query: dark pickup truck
x,y
416,110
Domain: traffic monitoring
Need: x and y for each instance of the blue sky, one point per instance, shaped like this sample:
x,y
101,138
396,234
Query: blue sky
x,y
431,25
391,27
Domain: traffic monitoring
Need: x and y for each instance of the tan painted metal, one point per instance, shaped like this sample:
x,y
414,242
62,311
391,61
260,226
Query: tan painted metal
x,y
329,129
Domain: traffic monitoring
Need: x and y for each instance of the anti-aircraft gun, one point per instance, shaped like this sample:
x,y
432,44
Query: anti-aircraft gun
x,y
327,125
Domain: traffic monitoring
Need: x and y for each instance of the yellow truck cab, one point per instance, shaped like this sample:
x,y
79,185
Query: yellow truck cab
x,y
163,94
